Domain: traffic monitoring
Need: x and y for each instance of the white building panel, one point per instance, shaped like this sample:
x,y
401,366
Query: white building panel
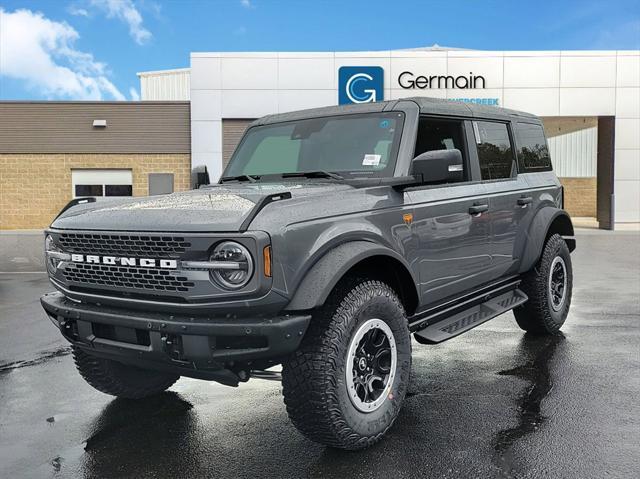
x,y
262,73
206,105
627,201
628,102
289,100
539,101
627,165
536,72
628,74
587,101
588,71
205,72
313,73
249,103
206,136
628,133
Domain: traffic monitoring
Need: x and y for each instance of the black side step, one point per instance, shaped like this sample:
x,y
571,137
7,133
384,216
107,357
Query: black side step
x,y
470,318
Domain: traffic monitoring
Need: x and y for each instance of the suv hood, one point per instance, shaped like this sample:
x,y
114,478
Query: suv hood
x,y
217,208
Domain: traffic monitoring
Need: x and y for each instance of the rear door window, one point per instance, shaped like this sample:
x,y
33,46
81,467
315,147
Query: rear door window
x,y
495,152
533,152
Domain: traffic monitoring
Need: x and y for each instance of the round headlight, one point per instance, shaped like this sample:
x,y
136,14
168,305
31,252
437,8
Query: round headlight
x,y
235,265
50,246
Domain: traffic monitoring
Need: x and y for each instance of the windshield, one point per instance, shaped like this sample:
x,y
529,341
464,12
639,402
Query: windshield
x,y
351,145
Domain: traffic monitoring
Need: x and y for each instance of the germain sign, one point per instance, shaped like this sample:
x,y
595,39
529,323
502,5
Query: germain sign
x,y
409,81
364,84
360,84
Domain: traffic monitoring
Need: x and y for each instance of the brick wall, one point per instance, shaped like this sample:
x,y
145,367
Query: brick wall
x,y
33,188
580,196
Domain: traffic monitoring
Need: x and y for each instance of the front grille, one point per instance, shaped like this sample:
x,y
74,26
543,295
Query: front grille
x,y
149,279
124,245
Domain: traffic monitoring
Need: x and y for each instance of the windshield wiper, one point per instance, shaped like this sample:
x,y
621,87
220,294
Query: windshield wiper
x,y
313,174
251,179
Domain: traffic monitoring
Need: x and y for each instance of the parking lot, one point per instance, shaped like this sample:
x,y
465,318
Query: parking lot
x,y
492,403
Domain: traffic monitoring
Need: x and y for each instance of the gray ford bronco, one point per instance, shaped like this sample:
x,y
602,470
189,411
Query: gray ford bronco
x,y
333,235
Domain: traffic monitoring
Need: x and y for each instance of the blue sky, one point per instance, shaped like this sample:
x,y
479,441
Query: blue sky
x,y
92,49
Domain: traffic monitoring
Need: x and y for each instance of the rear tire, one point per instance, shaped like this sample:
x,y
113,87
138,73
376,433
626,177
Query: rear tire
x,y
346,383
548,285
117,379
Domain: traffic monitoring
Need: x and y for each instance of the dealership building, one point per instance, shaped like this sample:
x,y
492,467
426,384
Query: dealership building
x,y
51,152
589,102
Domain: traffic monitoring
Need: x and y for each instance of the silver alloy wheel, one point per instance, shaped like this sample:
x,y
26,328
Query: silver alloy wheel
x,y
557,283
371,365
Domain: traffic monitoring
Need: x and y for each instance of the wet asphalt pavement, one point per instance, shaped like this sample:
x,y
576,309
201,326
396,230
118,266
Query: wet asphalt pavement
x,y
492,403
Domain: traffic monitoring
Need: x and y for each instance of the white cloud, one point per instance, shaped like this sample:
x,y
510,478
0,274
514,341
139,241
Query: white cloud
x,y
246,3
127,12
41,52
77,11
135,96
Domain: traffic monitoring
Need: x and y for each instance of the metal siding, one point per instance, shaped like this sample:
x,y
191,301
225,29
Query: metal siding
x,y
165,86
232,131
573,145
67,127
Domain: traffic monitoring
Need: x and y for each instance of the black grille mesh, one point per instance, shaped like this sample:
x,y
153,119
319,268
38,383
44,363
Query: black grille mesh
x,y
150,279
124,245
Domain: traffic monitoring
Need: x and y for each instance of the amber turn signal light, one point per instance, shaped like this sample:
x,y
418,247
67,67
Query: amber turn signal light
x,y
266,255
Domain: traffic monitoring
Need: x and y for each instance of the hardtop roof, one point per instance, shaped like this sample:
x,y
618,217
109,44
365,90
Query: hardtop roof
x,y
427,106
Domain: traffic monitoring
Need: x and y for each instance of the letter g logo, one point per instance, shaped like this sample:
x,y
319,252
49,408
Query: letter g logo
x,y
360,85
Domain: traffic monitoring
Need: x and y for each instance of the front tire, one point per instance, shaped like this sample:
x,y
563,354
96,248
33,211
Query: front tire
x,y
120,380
346,383
548,285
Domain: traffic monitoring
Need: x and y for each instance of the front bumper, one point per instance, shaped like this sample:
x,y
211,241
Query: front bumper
x,y
218,349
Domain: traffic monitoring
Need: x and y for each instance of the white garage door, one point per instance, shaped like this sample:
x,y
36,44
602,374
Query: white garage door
x,y
101,183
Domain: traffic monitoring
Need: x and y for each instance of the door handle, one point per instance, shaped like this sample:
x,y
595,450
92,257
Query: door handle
x,y
525,200
477,210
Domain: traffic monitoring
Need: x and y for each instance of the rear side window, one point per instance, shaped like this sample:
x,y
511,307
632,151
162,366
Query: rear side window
x,y
533,153
495,152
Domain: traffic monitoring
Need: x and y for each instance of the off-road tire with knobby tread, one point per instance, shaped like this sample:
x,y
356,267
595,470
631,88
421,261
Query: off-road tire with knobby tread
x,y
121,380
537,315
313,378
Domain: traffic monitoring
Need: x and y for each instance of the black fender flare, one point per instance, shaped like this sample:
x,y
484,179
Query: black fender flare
x,y
323,276
535,237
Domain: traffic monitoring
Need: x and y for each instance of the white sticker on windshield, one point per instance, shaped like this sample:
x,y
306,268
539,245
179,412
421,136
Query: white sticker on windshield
x,y
371,160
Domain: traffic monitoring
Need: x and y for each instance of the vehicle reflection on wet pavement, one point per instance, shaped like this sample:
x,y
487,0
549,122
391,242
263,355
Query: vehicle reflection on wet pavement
x,y
538,352
492,403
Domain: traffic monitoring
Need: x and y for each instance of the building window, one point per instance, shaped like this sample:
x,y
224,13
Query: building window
x,y
88,190
101,182
118,190
494,150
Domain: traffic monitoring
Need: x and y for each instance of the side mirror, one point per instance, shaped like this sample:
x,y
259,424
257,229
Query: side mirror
x,y
439,166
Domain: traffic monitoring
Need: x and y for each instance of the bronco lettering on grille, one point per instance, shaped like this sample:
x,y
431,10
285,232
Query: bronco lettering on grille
x,y
124,261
